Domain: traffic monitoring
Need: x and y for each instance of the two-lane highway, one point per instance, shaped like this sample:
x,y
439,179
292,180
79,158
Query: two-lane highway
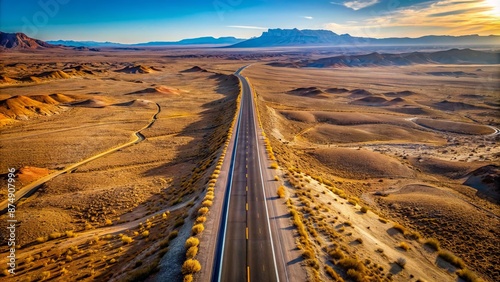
x,y
245,248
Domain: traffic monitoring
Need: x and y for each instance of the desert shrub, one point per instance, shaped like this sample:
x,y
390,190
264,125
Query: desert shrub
x,y
352,201
336,253
405,246
108,222
179,222
207,203
44,275
329,270
351,263
201,219
451,258
399,228
383,220
41,239
191,252
308,254
69,234
192,242
145,233
209,197
197,229
203,211
401,262
188,278
433,243
356,275
173,234
54,235
191,266
276,178
468,276
126,239
274,166
364,209
281,191
359,240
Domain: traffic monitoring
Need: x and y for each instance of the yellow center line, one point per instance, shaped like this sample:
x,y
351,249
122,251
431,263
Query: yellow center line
x,y
247,206
247,232
246,189
248,273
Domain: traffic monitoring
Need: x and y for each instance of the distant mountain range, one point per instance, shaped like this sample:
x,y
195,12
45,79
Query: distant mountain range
x,y
270,38
452,56
307,37
191,41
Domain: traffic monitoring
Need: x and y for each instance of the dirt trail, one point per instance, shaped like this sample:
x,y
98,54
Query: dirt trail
x,y
29,189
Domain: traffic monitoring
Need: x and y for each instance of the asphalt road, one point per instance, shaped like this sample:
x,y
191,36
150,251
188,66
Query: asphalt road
x,y
245,246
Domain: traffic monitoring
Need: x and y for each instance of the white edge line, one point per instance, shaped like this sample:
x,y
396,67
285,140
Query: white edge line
x,y
233,157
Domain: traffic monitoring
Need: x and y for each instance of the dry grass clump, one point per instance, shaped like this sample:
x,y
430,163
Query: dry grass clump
x,y
405,246
197,229
468,275
126,239
191,266
364,209
207,203
201,219
188,278
433,243
203,211
191,252
355,269
281,191
401,262
451,258
54,235
400,228
192,242
274,166
334,275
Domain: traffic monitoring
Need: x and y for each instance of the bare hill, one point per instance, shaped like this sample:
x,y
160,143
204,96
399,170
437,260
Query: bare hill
x,y
358,164
21,41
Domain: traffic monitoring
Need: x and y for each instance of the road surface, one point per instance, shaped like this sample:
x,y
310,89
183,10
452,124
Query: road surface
x,y
245,250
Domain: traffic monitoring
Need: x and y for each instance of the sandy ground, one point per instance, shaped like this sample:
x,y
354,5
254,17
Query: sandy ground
x,y
385,128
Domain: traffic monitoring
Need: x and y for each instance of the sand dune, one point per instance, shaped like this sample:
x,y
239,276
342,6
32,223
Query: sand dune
x,y
399,93
90,103
449,169
313,92
328,133
159,90
140,103
370,101
455,127
7,80
336,90
195,69
136,69
23,107
358,164
446,105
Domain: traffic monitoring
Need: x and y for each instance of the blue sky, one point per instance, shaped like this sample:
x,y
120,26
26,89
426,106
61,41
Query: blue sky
x,y
130,21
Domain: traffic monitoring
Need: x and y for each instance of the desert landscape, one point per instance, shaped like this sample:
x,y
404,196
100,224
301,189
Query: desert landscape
x,y
180,142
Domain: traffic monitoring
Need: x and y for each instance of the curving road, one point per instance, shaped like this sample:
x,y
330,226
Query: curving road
x,y
29,189
245,249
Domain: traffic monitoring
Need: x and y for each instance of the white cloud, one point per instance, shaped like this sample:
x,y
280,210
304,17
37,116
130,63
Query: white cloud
x,y
247,27
308,17
360,4
452,17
